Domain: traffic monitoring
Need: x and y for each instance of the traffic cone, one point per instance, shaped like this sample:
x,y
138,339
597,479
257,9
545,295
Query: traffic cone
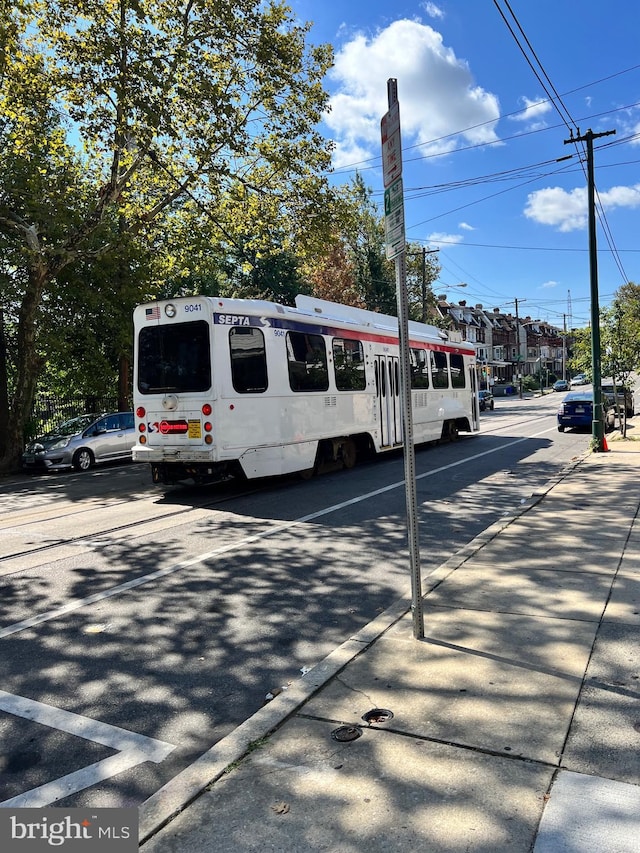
x,y
605,446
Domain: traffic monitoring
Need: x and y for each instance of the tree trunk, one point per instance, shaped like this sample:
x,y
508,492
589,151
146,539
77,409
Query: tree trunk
x,y
124,395
27,367
4,386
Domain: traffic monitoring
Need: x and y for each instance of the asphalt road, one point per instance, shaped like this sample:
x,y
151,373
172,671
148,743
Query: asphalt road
x,y
139,627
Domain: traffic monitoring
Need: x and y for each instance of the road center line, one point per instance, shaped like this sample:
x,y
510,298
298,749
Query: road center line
x,y
78,603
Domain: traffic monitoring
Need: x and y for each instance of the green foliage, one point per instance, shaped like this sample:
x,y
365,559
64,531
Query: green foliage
x,y
619,337
123,122
620,333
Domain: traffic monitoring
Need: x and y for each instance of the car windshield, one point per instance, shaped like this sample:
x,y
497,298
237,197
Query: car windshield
x,y
73,426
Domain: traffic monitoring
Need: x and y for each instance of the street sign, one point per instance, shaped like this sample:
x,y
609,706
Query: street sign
x,y
391,145
394,230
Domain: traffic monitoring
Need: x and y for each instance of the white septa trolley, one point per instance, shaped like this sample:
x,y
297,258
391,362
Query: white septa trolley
x,y
235,387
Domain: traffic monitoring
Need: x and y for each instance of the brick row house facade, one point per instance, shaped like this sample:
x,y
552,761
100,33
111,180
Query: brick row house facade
x,y
507,347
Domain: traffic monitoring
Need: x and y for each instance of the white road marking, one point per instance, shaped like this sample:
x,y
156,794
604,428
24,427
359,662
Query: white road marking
x,y
77,603
132,749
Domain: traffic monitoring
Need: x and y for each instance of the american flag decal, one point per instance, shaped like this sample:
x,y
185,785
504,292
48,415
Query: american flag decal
x,y
152,313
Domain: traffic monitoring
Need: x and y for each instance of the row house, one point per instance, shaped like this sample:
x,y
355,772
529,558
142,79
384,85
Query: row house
x,y
507,347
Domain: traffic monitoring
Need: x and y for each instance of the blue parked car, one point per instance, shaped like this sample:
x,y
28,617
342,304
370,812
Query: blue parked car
x,y
576,411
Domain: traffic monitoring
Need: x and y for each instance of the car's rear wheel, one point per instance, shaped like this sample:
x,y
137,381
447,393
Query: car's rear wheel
x,y
560,429
82,459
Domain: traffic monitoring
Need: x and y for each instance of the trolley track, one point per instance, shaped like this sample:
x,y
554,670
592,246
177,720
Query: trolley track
x,y
104,533
55,515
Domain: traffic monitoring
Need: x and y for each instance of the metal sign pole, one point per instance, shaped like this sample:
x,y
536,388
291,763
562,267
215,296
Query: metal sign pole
x,y
396,247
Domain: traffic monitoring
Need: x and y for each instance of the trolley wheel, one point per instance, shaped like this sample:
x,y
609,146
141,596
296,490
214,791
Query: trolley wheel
x,y
450,431
349,453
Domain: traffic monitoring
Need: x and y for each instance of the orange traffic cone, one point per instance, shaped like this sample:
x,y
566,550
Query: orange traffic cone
x,y
605,446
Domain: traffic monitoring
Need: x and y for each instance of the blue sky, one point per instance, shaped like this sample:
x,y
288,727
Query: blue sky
x,y
481,139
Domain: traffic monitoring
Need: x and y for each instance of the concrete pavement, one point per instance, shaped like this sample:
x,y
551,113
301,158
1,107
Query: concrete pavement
x,y
513,726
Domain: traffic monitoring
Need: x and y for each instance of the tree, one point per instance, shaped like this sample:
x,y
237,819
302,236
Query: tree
x,y
363,230
423,269
622,333
117,111
334,278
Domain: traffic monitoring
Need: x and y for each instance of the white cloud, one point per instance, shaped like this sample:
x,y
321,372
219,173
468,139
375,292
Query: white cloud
x,y
438,238
548,284
466,227
432,10
436,90
567,211
534,109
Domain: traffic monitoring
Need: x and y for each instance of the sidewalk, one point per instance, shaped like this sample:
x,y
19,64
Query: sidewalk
x,y
514,725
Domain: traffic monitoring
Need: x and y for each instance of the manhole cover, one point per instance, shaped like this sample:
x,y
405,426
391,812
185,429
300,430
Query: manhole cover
x,y
377,715
346,733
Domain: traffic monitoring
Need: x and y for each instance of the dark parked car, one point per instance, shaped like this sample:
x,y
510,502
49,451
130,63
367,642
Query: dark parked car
x,y
577,411
485,398
561,385
83,441
623,396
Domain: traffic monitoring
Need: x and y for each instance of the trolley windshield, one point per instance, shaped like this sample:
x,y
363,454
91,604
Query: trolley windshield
x,y
174,358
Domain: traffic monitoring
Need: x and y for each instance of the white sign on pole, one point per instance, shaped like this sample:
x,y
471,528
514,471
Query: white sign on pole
x,y
394,229
391,145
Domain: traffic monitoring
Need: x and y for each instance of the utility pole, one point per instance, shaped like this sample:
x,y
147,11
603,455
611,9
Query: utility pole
x,y
597,423
564,346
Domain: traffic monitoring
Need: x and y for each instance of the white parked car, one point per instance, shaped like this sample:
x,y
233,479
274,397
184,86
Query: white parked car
x,y
580,379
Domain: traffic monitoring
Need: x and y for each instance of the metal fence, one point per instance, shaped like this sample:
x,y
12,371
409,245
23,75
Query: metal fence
x,y
49,411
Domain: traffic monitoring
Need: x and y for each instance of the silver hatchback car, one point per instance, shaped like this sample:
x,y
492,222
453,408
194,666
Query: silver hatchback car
x,y
82,442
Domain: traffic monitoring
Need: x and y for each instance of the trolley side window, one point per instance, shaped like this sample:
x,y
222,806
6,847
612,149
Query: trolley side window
x,y
307,359
439,371
174,358
456,365
419,368
348,364
248,360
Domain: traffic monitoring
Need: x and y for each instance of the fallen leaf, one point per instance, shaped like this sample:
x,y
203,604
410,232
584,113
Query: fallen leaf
x,y
281,808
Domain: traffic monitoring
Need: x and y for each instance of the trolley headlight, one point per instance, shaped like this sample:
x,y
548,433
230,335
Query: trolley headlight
x,y
170,310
